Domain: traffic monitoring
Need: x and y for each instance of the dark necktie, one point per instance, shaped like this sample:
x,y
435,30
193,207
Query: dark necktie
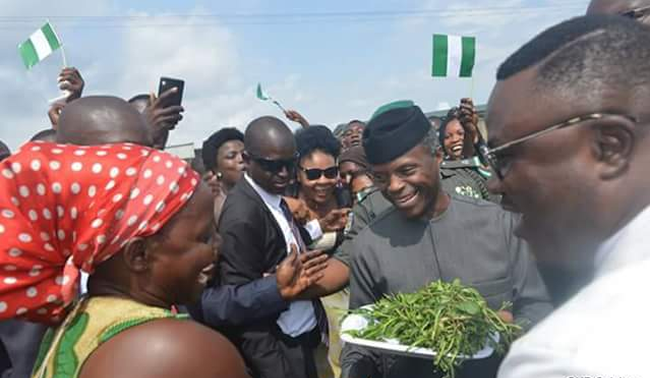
x,y
319,311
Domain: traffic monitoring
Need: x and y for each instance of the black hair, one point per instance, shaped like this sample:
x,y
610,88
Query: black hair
x,y
4,151
452,114
48,135
319,138
356,121
585,53
215,141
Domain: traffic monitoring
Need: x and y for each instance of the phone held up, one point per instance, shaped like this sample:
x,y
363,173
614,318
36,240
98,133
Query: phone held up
x,y
167,83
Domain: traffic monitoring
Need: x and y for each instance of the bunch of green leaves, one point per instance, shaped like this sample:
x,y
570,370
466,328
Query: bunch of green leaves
x,y
449,318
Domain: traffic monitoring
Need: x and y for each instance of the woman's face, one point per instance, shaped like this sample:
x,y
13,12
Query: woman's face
x,y
454,139
314,183
184,251
230,162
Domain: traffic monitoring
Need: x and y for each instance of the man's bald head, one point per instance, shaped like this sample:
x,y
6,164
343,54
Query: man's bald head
x,y
621,7
4,151
102,119
266,135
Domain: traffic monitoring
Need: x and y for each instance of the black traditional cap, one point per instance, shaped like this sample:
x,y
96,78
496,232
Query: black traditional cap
x,y
394,130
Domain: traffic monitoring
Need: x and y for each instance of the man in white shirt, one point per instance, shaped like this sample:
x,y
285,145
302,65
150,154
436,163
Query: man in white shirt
x,y
568,122
258,231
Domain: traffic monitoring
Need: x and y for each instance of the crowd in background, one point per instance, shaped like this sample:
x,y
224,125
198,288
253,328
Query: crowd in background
x,y
266,240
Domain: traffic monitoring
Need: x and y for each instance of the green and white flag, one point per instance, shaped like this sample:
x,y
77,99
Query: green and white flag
x,y
39,45
260,93
265,97
453,56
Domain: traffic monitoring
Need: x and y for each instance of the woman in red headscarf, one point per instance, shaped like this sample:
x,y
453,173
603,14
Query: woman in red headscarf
x,y
139,221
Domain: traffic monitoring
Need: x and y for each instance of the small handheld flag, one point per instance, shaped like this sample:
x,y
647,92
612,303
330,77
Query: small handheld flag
x,y
265,97
39,46
453,56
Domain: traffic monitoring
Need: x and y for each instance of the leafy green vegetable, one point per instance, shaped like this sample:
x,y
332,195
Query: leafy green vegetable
x,y
448,318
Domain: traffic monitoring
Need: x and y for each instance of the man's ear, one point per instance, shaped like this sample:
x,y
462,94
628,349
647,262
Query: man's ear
x,y
136,255
614,143
439,155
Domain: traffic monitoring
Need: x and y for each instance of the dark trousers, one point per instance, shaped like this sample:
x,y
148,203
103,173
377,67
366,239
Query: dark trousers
x,y
21,340
276,355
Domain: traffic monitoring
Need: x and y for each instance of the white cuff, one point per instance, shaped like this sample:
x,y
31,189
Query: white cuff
x,y
313,227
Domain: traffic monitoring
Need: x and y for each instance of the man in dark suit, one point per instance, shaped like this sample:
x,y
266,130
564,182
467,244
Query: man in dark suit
x,y
258,230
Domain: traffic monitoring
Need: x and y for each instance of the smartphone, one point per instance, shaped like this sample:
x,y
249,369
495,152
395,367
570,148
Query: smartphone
x,y
343,195
167,83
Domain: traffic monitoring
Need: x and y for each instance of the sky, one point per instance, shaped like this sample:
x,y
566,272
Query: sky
x,y
333,61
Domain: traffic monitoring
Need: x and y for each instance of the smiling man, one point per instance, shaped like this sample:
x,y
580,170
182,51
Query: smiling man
x,y
429,236
568,121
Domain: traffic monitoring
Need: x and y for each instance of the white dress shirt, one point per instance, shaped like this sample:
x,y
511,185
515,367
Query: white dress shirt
x,y
300,317
603,330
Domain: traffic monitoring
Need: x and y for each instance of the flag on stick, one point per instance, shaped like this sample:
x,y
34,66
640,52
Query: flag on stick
x,y
39,45
453,56
265,97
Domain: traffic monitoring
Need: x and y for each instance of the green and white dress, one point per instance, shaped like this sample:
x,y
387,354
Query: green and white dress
x,y
93,321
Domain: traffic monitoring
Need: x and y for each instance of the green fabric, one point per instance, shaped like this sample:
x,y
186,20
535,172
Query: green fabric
x,y
390,106
440,53
28,53
469,55
123,326
51,37
46,343
66,360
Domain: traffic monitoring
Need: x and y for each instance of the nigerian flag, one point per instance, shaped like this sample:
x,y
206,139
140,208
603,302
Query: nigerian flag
x,y
39,45
453,56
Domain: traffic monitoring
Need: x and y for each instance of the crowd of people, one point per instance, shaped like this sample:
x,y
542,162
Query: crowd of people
x,y
120,259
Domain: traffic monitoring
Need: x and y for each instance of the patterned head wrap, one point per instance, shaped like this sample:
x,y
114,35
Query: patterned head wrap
x,y
64,208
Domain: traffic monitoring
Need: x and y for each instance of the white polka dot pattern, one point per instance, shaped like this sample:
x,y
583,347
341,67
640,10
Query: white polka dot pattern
x,y
71,207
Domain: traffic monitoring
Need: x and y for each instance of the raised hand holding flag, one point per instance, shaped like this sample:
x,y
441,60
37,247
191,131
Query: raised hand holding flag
x,y
265,97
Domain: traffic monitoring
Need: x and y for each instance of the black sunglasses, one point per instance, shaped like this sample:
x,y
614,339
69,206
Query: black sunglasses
x,y
315,173
275,166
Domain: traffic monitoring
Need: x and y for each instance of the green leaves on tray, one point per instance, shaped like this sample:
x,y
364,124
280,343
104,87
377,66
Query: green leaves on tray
x,y
451,319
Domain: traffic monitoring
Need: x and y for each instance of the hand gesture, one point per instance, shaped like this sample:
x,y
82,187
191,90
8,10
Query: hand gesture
x,y
506,316
299,209
70,80
469,119
162,118
294,116
215,186
335,220
295,274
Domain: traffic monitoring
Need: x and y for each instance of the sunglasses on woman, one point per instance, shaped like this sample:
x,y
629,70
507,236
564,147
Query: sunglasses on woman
x,y
315,173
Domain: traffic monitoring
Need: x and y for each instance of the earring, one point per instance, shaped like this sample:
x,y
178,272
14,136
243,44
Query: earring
x,y
219,175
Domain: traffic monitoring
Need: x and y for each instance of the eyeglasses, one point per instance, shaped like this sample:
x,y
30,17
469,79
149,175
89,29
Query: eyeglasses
x,y
501,166
275,166
637,13
315,173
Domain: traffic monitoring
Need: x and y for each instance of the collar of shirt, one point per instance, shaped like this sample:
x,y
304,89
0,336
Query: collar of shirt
x,y
627,246
271,200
